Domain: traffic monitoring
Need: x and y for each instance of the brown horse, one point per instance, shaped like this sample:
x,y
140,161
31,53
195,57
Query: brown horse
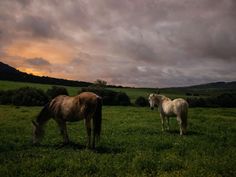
x,y
62,109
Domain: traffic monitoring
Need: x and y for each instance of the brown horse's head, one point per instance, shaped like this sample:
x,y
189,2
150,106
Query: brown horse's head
x,y
37,132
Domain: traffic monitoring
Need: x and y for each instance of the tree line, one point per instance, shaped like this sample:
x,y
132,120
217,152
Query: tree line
x,y
30,96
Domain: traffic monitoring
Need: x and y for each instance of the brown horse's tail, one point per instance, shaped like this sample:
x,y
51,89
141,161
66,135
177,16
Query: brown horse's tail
x,y
98,119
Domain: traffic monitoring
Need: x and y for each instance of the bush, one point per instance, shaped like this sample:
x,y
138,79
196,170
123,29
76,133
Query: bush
x,y
223,100
55,91
188,94
28,96
122,99
141,101
226,100
109,97
6,96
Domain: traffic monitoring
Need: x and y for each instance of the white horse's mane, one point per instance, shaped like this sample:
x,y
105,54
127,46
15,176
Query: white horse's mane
x,y
162,97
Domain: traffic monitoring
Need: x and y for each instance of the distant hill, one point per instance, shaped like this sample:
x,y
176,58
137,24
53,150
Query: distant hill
x,y
208,89
218,85
10,73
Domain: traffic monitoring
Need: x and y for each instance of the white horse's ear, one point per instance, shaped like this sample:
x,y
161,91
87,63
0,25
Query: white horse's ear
x,y
35,123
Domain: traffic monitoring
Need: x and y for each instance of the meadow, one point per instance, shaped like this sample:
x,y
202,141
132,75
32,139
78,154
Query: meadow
x,y
132,144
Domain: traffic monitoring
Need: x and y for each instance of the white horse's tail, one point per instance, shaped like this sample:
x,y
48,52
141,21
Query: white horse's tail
x,y
184,117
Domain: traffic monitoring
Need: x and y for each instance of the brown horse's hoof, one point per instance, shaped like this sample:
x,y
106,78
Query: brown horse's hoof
x,y
90,147
66,143
36,144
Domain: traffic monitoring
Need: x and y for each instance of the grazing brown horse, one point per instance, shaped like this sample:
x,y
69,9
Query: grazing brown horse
x,y
62,109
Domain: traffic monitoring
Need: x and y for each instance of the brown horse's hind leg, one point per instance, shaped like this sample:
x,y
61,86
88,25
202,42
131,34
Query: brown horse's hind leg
x,y
87,123
63,131
94,134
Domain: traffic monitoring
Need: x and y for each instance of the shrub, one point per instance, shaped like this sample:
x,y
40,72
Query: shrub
x,y
6,96
141,101
28,96
100,83
223,100
55,91
122,99
188,94
109,97
226,100
197,102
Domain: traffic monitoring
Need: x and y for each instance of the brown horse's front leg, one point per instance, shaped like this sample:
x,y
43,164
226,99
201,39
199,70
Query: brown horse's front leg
x,y
88,128
63,131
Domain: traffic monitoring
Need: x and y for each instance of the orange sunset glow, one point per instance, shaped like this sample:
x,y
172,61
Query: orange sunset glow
x,y
54,51
32,71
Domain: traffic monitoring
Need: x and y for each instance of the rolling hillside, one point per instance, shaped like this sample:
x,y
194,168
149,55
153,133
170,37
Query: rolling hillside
x,y
11,74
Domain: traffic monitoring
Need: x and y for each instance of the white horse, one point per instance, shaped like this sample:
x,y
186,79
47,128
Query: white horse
x,y
169,108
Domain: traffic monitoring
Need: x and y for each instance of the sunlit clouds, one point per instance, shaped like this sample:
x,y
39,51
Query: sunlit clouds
x,y
151,43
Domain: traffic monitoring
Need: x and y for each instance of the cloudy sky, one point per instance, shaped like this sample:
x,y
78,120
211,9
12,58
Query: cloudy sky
x,y
143,43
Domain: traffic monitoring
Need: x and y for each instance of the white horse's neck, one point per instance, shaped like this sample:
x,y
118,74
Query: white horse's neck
x,y
161,99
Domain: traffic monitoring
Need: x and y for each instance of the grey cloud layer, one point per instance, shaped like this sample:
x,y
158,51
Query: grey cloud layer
x,y
37,62
139,43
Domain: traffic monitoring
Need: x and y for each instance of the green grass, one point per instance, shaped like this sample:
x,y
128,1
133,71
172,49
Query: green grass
x,y
7,85
132,144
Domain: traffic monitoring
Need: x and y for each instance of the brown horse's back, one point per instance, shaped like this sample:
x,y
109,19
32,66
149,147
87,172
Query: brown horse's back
x,y
88,102
88,98
62,107
74,108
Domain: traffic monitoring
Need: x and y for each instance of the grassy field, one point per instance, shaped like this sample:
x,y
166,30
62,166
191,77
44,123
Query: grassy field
x,y
6,85
132,144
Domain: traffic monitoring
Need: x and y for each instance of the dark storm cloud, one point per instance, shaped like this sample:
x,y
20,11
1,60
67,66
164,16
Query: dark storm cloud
x,y
140,43
38,26
37,62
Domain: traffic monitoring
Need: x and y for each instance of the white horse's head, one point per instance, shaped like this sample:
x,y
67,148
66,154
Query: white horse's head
x,y
152,100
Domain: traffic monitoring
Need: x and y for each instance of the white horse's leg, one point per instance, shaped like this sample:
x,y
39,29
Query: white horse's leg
x,y
167,122
180,125
87,124
162,121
